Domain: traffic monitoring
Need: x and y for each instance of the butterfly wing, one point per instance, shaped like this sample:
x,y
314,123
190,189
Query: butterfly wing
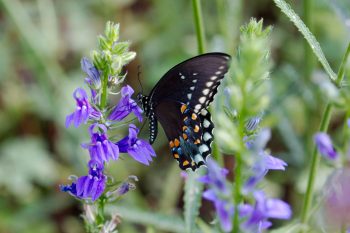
x,y
193,82
180,101
183,128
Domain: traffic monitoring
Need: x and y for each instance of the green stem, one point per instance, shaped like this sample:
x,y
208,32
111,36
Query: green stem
x,y
315,157
346,139
104,90
308,59
237,192
198,19
100,218
342,66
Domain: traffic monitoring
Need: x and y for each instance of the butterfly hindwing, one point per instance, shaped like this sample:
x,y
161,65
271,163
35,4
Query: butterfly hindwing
x,y
183,129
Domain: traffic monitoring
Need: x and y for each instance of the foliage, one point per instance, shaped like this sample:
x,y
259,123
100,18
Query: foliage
x,y
42,43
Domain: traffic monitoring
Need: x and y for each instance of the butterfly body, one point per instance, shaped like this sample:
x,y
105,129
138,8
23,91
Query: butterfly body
x,y
180,102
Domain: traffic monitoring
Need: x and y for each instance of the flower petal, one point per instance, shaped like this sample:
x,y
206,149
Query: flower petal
x,y
325,146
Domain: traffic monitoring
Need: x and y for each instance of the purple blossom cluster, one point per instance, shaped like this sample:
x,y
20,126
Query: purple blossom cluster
x,y
256,214
219,193
101,148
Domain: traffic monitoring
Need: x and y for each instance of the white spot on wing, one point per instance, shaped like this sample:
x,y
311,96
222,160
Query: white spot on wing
x,y
204,112
206,123
189,96
202,100
198,158
194,80
205,91
207,136
218,72
221,67
209,84
182,77
198,106
213,78
192,88
195,73
203,148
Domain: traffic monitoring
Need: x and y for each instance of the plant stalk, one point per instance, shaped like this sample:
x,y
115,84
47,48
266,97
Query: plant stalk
x,y
315,156
104,90
237,192
198,19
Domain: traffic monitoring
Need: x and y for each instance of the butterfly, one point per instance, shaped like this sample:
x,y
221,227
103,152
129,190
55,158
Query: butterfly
x,y
180,101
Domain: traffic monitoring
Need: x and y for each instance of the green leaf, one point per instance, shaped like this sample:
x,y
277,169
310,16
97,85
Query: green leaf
x,y
192,198
171,223
315,46
290,228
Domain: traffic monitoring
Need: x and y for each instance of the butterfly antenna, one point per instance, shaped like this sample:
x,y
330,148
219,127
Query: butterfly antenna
x,y
138,77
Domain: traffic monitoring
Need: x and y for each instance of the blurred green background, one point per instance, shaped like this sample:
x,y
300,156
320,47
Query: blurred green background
x,y
41,44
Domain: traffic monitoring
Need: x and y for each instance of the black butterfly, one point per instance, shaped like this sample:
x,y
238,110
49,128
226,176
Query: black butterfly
x,y
180,101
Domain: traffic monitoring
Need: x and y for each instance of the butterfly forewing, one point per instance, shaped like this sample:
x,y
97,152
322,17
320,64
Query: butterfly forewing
x,y
194,81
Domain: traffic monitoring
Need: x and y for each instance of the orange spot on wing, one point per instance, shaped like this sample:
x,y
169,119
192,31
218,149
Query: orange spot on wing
x,y
196,129
185,119
194,116
176,155
171,144
185,163
197,141
183,108
184,128
184,136
176,142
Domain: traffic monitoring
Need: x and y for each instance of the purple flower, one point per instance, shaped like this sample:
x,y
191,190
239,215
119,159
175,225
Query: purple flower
x,y
90,186
349,122
261,167
263,161
93,75
325,146
125,187
83,111
224,209
216,176
219,193
101,149
258,215
139,149
125,106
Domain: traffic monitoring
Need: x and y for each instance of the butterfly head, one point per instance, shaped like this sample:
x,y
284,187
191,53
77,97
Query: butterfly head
x,y
144,102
